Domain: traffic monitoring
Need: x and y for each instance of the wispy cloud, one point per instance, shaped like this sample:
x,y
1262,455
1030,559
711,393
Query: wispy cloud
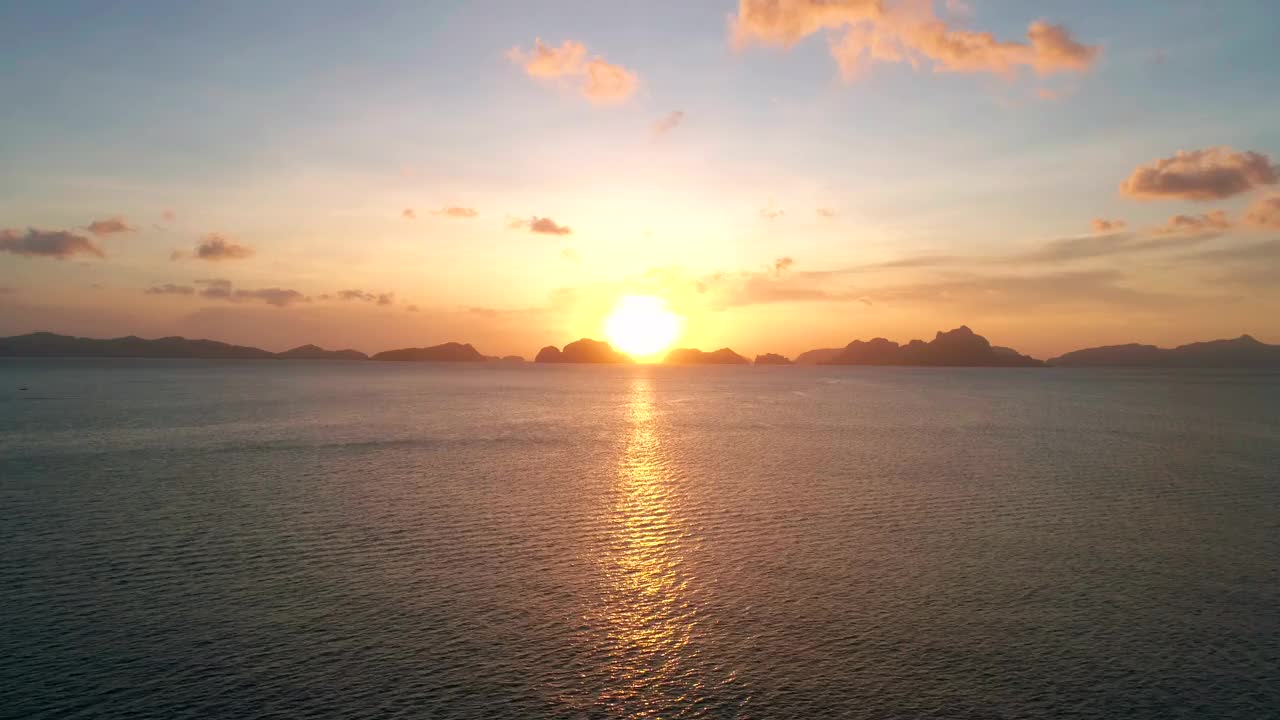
x,y
597,80
369,297
58,244
221,289
1103,225
458,212
1211,174
409,214
668,122
170,289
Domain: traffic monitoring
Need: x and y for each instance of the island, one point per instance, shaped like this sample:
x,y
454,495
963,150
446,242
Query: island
x,y
315,352
583,351
960,347
817,357
693,356
46,344
448,352
772,359
1242,352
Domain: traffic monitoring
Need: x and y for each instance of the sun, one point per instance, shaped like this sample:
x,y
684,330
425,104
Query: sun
x,y
642,325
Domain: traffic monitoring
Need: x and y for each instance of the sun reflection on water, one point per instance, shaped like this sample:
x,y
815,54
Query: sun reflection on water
x,y
649,615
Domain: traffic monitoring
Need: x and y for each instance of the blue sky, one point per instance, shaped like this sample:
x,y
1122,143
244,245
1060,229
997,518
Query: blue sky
x,y
303,130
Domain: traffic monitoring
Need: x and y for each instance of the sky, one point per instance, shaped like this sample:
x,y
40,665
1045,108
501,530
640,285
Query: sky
x,y
783,174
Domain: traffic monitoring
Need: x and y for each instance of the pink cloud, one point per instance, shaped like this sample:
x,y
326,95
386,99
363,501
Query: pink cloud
x,y
457,212
408,214
214,248
1215,221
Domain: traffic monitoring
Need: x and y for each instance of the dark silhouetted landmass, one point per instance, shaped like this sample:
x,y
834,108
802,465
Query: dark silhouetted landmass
x,y
1242,352
693,356
818,357
509,359
43,344
582,351
448,352
961,347
771,359
315,352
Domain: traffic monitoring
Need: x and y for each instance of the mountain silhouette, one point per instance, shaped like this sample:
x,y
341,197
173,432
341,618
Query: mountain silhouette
x,y
772,359
45,344
1241,352
315,352
817,357
693,356
582,351
448,352
961,347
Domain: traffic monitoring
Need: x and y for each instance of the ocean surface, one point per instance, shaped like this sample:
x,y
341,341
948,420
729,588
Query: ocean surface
x,y
293,539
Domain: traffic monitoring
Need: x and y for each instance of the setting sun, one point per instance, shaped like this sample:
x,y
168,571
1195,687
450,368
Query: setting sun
x,y
642,325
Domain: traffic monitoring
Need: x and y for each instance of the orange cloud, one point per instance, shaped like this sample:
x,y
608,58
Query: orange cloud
x,y
597,80
215,247
1216,221
409,214
59,244
362,296
1211,174
457,212
1265,212
906,31
1102,225
109,226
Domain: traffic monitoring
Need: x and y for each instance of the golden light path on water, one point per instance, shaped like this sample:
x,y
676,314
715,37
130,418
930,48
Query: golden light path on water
x,y
650,617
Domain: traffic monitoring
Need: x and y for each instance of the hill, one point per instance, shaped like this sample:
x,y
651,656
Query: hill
x,y
44,344
583,351
315,352
961,347
772,359
1241,352
448,352
693,356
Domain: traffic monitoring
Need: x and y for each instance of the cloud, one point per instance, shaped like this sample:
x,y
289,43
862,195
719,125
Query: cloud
x,y
59,244
1265,212
771,213
668,122
541,225
169,216
782,264
408,214
599,81
362,296
279,297
826,212
412,308
906,31
170,289
215,288
1211,174
109,226
1215,222
457,212
1102,225
214,248
222,289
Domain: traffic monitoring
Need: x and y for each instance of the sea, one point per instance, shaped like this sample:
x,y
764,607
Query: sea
x,y
318,539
